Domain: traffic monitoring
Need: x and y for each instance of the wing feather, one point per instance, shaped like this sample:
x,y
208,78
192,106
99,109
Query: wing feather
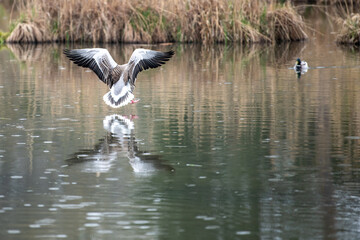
x,y
143,59
97,59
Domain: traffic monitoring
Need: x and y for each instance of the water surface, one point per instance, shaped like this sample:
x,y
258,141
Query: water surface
x,y
227,142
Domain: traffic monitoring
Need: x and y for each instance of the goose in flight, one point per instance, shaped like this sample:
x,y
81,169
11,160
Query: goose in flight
x,y
120,78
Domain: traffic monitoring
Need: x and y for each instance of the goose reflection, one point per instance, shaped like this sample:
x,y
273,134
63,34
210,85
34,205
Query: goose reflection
x,y
119,141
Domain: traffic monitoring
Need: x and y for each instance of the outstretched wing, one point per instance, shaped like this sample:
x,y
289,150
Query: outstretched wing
x,y
142,59
97,59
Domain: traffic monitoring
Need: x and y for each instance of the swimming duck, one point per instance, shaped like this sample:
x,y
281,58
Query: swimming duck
x,y
120,78
300,65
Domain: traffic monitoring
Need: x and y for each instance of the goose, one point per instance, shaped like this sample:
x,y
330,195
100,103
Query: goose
x,y
120,78
300,65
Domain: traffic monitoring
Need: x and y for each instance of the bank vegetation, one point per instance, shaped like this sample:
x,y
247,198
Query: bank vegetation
x,y
157,21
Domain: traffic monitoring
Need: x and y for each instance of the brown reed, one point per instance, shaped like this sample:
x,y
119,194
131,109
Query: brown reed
x,y
350,31
285,25
151,21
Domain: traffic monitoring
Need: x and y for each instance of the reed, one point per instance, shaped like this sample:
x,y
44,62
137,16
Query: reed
x,y
348,17
350,31
285,25
151,21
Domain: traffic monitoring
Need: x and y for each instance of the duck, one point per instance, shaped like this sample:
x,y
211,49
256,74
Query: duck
x,y
119,78
300,65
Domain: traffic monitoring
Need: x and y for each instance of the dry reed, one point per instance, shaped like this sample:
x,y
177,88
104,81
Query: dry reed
x,y
350,31
285,25
150,21
28,33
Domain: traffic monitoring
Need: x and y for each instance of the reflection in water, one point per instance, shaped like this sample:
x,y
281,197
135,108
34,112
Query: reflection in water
x,y
299,72
257,154
283,53
286,53
119,140
30,52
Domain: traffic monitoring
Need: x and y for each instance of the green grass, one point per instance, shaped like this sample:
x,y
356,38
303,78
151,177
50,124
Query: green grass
x,y
3,36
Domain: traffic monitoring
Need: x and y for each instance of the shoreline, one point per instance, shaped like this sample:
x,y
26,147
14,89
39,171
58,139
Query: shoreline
x,y
159,22
149,21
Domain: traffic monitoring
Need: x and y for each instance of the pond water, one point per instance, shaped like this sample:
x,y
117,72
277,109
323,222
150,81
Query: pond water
x,y
227,142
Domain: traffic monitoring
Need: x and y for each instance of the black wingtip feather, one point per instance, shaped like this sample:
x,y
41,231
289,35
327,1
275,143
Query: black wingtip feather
x,y
159,59
66,52
84,60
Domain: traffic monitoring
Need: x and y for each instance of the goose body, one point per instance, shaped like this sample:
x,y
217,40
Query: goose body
x,y
120,78
300,65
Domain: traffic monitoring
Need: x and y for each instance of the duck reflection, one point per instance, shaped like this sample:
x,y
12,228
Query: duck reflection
x,y
119,140
300,72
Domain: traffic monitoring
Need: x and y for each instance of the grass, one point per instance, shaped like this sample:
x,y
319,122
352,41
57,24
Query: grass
x,y
154,21
3,37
